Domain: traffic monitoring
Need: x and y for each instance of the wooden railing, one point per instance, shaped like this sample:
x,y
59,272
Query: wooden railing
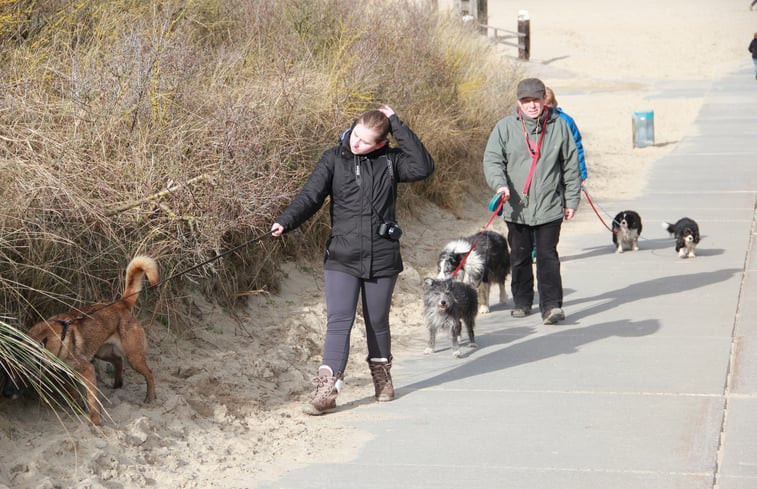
x,y
503,36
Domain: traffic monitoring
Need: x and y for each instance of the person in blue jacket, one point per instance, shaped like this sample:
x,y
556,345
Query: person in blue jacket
x,y
753,49
551,101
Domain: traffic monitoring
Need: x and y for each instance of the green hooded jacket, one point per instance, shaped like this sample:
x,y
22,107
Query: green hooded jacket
x,y
556,184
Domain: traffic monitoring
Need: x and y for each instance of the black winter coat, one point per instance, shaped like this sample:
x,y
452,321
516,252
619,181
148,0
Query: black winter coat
x,y
363,191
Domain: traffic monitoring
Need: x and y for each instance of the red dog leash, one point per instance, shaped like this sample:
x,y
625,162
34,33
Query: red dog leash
x,y
591,203
502,201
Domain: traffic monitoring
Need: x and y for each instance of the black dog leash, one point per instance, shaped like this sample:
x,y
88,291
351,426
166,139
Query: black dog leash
x,y
89,313
194,267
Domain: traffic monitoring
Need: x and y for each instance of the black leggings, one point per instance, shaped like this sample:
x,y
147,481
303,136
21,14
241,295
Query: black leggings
x,y
342,291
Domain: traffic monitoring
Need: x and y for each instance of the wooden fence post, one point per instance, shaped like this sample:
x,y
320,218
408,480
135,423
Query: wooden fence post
x,y
524,35
482,13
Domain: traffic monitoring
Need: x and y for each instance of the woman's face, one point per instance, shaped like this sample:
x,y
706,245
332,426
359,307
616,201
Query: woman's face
x,y
364,140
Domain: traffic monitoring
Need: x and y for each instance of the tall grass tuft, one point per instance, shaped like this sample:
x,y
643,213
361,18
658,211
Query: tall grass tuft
x,y
31,367
180,129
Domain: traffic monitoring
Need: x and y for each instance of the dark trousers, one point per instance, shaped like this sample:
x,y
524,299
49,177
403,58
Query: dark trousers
x,y
342,291
521,239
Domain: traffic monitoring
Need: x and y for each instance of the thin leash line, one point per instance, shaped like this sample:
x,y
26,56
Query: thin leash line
x,y
89,313
599,206
583,188
194,267
473,246
594,208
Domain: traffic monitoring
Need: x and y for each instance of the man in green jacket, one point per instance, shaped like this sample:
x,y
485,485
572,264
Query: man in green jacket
x,y
532,162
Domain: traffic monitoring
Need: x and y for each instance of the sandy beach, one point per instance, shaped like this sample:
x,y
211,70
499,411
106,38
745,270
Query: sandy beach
x,y
228,408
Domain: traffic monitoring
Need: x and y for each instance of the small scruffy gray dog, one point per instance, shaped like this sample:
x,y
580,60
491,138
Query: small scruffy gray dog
x,y
447,304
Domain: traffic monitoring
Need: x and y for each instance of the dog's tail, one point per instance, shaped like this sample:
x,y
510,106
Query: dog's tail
x,y
138,267
668,227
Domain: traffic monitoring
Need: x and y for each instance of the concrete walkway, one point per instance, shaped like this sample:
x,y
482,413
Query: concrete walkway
x,y
651,382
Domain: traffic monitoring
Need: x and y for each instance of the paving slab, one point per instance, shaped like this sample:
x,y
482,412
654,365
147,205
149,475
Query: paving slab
x,y
650,382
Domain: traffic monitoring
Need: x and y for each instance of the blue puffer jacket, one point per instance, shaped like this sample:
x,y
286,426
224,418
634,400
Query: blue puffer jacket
x,y
577,139
363,191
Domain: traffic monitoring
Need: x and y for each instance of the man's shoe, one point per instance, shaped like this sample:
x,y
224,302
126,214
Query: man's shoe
x,y
553,316
520,312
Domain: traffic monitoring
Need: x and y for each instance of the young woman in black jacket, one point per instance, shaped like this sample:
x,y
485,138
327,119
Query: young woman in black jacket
x,y
360,175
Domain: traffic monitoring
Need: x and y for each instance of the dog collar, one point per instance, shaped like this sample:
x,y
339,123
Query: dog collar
x,y
65,325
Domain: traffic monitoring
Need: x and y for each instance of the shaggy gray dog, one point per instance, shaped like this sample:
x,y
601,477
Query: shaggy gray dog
x,y
447,304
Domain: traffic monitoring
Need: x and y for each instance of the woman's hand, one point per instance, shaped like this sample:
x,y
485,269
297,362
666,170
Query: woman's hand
x,y
386,110
277,229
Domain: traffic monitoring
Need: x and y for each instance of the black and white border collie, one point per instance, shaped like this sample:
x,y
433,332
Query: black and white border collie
x,y
488,263
626,229
686,233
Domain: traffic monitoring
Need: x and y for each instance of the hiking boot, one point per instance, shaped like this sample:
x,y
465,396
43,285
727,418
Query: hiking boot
x,y
326,390
382,379
520,312
553,315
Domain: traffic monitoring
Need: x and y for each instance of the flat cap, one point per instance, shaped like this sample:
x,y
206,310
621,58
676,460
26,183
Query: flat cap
x,y
531,88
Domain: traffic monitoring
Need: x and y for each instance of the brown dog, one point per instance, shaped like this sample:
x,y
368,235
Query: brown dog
x,y
103,330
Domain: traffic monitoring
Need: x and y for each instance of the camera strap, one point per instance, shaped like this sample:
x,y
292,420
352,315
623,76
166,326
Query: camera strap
x,y
390,170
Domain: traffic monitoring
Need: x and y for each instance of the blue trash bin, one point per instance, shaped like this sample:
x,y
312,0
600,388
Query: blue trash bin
x,y
643,129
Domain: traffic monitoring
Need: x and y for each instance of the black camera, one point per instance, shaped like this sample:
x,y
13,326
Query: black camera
x,y
390,230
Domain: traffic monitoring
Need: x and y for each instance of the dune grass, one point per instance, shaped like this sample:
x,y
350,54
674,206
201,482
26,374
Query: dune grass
x,y
180,129
32,368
